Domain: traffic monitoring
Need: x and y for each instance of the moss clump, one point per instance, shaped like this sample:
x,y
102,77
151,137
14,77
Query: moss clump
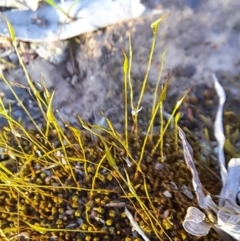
x,y
81,184
81,195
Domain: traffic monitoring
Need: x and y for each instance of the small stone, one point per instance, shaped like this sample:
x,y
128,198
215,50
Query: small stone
x,y
166,213
159,166
13,58
74,79
68,79
186,192
54,52
167,194
69,68
174,185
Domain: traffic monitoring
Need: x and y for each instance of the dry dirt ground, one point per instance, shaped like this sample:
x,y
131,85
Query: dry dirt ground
x,y
200,37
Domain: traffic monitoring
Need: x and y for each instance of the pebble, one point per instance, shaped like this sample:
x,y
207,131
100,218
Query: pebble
x,y
167,194
13,58
159,166
74,79
69,68
55,52
186,192
174,185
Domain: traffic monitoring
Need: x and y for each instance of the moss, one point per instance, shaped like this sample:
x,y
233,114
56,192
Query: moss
x,y
74,184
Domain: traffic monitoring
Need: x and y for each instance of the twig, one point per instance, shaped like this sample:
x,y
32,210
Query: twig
x,y
135,225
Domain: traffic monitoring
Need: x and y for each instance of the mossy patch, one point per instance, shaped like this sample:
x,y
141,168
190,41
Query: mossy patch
x,y
76,184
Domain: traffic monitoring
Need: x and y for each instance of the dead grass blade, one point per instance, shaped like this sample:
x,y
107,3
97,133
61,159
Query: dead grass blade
x,y
188,156
218,129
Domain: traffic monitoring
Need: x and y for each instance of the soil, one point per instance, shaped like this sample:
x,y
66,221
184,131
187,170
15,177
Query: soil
x,y
197,42
200,37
